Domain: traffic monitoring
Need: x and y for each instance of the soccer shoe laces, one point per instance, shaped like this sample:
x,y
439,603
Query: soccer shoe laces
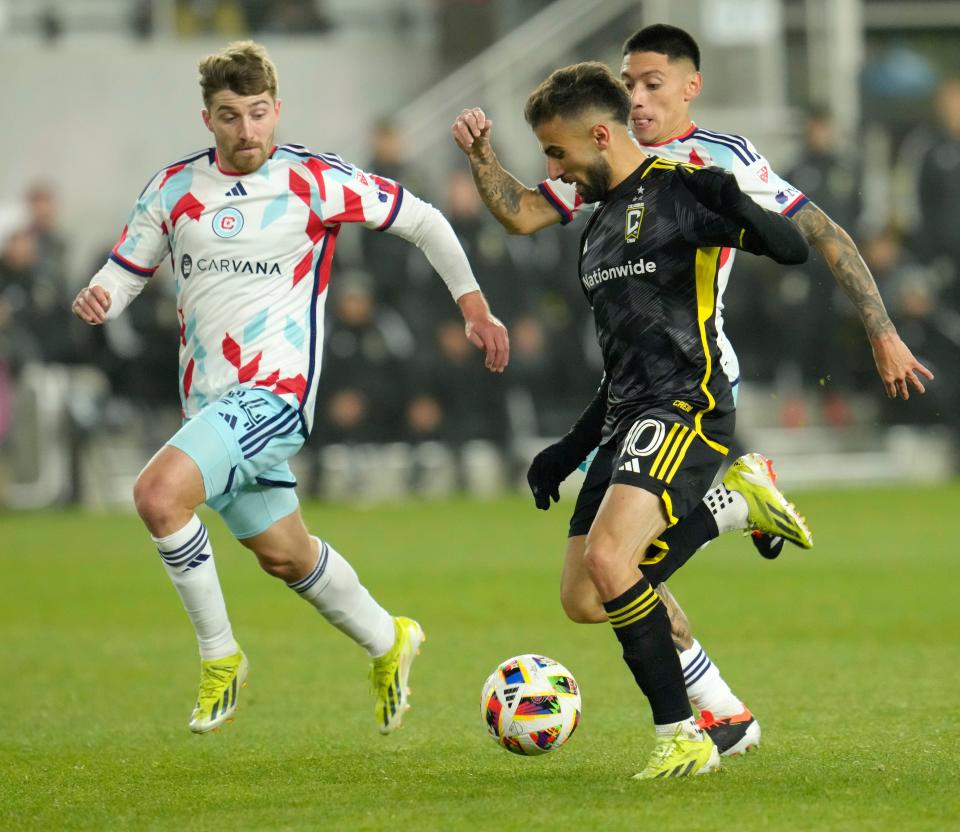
x,y
215,679
664,748
383,671
380,678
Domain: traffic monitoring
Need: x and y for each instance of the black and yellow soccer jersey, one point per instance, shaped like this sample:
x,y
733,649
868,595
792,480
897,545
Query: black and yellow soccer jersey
x,y
649,260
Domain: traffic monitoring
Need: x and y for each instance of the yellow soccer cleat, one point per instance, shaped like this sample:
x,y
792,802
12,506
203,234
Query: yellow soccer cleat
x,y
685,754
769,511
389,674
220,683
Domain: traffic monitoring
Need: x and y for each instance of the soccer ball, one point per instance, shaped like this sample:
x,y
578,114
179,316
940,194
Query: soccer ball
x,y
530,704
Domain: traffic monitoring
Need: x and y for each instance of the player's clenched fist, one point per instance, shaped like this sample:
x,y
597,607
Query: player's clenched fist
x,y
92,304
471,130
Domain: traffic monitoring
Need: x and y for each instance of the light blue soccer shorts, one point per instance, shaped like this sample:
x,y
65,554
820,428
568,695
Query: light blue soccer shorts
x,y
583,466
241,443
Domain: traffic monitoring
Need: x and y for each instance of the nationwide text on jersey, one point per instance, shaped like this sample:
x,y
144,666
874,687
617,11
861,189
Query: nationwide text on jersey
x,y
598,276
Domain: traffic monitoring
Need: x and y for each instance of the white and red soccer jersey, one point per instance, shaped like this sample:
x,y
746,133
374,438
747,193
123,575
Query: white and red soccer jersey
x,y
705,147
252,256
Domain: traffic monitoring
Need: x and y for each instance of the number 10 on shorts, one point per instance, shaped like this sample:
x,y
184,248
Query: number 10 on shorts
x,y
644,438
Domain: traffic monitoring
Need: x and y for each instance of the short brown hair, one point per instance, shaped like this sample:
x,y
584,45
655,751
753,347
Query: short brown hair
x,y
573,90
243,68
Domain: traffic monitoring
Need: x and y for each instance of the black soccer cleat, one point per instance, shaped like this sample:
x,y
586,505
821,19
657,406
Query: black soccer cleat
x,y
769,546
732,735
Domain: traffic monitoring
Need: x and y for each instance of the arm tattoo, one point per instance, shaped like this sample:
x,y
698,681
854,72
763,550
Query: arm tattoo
x,y
500,191
844,260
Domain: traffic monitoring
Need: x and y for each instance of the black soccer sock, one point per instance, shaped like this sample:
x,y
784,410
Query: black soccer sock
x,y
641,623
693,531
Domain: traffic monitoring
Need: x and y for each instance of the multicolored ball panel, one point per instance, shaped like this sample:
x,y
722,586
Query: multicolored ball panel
x,y
530,705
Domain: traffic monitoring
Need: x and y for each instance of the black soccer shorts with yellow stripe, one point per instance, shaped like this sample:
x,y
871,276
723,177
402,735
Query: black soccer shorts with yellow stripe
x,y
672,456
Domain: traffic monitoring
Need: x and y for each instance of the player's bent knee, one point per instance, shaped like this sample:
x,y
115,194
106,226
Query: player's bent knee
x,y
278,562
278,565
599,558
154,499
582,610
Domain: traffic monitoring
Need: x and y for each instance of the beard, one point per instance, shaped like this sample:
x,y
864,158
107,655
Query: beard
x,y
596,181
248,162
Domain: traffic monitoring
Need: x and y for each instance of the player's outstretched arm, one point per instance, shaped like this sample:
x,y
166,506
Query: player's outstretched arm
x,y
898,368
424,226
519,209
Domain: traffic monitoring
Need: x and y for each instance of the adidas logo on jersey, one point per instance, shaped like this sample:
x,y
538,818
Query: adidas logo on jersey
x,y
237,190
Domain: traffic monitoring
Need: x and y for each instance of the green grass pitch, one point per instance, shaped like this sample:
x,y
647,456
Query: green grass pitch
x,y
849,655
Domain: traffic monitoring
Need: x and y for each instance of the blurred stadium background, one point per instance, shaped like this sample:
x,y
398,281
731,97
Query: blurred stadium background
x,y
857,102
844,653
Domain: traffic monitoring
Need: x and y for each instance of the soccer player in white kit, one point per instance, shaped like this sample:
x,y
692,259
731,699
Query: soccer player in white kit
x,y
661,69
251,228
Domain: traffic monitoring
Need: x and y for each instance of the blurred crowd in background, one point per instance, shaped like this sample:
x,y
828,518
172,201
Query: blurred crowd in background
x,y
397,367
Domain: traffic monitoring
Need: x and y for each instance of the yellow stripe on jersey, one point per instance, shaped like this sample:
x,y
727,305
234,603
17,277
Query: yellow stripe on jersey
x,y
659,163
705,269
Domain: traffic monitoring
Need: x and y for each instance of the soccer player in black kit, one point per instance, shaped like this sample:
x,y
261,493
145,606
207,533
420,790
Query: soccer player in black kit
x,y
648,266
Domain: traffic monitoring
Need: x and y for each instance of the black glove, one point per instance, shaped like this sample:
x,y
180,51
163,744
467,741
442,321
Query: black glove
x,y
764,232
551,467
713,188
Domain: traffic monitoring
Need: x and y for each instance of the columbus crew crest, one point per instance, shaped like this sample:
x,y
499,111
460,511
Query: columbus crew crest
x,y
634,218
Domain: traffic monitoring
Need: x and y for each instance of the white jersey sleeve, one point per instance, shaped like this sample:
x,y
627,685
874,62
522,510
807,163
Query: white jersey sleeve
x,y
142,246
420,223
143,242
349,194
346,193
755,176
563,197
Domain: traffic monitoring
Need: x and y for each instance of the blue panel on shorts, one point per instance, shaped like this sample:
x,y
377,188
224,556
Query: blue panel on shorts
x,y
241,443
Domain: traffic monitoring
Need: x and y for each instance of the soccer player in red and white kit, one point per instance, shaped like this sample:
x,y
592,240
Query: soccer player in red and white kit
x,y
251,228
661,69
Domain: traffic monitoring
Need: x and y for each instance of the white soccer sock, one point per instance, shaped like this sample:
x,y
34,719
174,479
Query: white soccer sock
x,y
690,729
335,590
705,686
188,558
729,508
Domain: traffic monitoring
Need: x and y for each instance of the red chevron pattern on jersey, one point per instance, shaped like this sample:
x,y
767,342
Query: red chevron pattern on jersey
x,y
252,255
232,352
